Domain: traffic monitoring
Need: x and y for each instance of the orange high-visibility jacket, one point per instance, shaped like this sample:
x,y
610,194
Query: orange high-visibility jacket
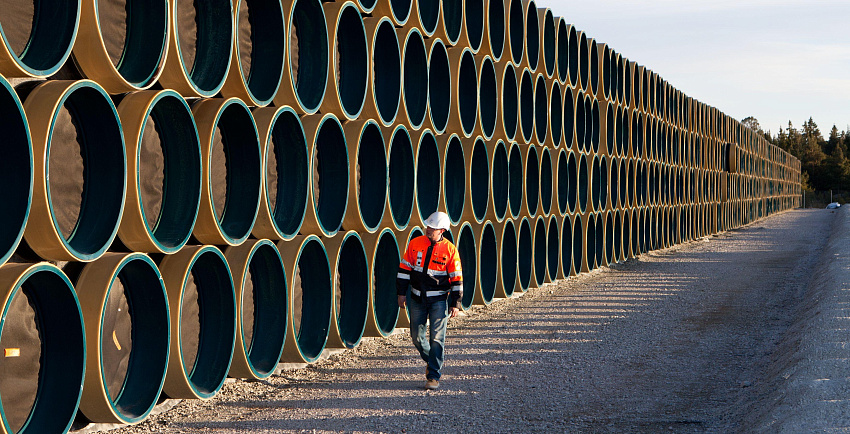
x,y
432,270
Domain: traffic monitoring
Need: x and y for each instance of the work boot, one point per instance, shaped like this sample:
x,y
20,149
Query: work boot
x,y
431,384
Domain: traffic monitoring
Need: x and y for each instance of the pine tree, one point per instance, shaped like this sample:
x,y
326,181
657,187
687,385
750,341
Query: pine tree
x,y
811,130
836,169
834,140
794,142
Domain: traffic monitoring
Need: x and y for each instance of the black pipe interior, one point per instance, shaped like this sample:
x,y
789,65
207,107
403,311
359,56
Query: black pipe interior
x,y
373,175
415,79
287,173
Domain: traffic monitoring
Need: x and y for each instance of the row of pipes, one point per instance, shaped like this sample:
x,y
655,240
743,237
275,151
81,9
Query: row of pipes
x,y
197,190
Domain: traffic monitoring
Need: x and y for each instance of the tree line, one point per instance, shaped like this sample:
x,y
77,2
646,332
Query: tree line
x,y
825,163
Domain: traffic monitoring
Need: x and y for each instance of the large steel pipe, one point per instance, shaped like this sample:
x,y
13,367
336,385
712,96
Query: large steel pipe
x,y
202,305
629,237
199,47
532,36
125,308
541,111
526,106
507,118
401,178
305,70
583,186
556,127
37,36
473,24
256,67
79,169
604,175
566,265
604,91
398,10
515,180
547,182
562,50
563,182
531,176
616,65
553,251
163,171
368,176
451,21
350,277
468,251
595,123
122,44
593,59
261,308
611,250
383,255
488,98
579,265
495,29
599,239
232,171
581,122
428,175
615,184
525,254
329,169
349,77
286,176
499,181
547,38
574,54
427,16
507,272
439,86
414,93
583,62
477,182
569,117
626,90
306,264
16,171
515,35
453,178
43,336
486,264
589,247
541,252
622,134
463,114
383,96
572,183
610,129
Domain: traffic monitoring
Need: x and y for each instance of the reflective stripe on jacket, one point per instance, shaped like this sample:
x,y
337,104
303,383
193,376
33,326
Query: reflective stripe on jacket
x,y
442,274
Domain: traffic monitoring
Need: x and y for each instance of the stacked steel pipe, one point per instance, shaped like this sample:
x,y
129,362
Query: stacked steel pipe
x,y
203,189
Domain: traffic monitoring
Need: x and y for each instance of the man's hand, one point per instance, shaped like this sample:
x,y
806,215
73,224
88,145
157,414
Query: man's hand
x,y
402,301
453,312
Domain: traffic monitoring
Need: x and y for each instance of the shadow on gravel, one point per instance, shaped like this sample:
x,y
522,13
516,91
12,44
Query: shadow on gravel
x,y
646,346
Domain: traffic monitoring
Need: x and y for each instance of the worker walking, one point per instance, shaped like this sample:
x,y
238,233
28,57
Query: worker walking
x,y
431,269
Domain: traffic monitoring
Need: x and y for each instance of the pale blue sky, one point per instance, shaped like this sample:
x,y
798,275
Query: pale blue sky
x,y
775,60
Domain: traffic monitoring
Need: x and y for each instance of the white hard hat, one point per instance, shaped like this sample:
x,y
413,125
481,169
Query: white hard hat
x,y
438,220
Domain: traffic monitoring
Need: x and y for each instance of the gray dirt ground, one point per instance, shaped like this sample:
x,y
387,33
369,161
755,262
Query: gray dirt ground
x,y
681,340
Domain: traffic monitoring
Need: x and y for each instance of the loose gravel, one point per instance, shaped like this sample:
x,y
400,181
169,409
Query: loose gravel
x,y
677,340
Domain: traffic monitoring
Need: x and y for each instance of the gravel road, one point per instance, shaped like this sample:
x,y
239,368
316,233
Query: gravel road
x,y
677,340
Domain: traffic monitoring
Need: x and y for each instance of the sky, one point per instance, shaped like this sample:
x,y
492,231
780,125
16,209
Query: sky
x,y
775,60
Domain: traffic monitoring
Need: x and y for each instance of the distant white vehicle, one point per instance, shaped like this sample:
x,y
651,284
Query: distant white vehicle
x,y
833,205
